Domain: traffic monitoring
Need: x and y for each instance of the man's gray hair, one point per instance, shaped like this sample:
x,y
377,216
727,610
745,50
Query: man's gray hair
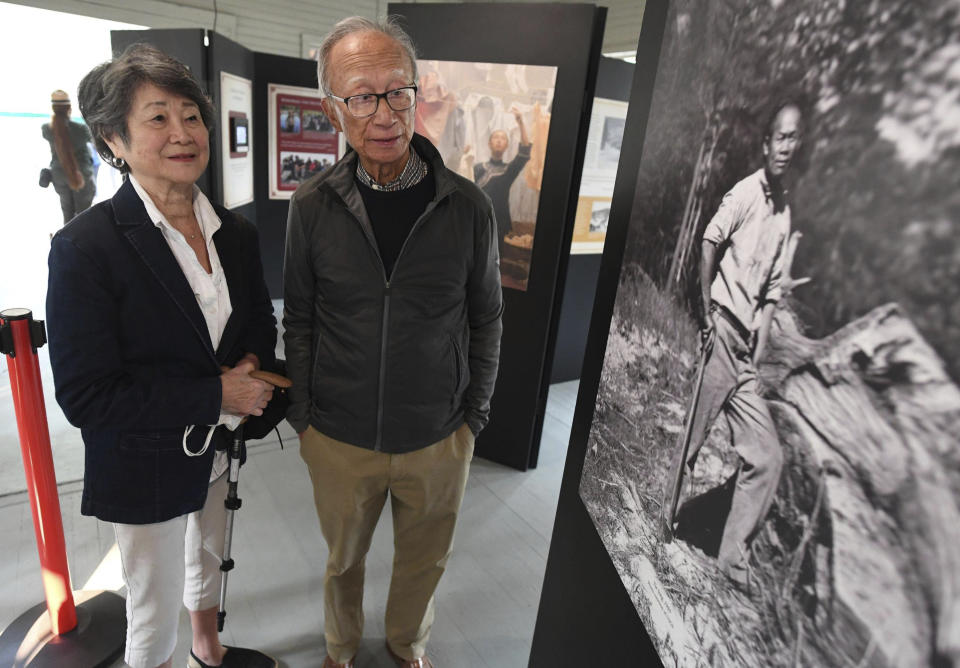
x,y
389,26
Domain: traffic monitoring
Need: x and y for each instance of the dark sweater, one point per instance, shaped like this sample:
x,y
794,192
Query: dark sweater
x,y
392,215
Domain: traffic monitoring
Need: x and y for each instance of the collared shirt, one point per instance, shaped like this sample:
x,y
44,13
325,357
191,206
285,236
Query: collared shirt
x,y
750,234
412,174
210,290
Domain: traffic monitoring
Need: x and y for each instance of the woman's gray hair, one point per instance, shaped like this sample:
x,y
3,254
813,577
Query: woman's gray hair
x,y
106,93
389,26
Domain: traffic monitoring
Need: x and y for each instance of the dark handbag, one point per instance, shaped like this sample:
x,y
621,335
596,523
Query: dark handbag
x,y
259,426
46,176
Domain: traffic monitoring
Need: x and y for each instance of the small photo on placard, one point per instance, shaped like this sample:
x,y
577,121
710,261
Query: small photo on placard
x,y
290,123
599,217
239,136
315,122
609,154
297,167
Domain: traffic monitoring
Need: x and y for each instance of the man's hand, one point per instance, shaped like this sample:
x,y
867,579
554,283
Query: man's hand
x,y
243,395
707,329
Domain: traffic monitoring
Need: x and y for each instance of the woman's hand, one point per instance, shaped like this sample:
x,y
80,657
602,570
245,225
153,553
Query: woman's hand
x,y
243,395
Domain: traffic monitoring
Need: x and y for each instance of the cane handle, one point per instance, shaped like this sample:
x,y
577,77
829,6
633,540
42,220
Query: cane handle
x,y
274,379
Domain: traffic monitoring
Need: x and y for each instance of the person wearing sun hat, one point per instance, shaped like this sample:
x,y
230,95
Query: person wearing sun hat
x,y
71,164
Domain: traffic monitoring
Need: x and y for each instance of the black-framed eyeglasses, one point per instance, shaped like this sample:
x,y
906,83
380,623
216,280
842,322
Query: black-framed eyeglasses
x,y
366,104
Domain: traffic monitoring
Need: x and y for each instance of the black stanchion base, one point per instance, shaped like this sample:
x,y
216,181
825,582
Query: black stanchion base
x,y
97,640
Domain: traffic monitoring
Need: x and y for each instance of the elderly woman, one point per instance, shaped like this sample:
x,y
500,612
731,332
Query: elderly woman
x,y
152,295
71,166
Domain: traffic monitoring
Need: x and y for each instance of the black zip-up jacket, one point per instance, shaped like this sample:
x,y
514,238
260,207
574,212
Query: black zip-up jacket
x,y
391,365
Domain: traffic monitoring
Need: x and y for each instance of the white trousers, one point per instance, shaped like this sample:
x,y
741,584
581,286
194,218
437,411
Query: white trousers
x,y
163,561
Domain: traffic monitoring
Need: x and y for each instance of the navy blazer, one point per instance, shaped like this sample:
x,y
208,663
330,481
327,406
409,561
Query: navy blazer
x,y
132,359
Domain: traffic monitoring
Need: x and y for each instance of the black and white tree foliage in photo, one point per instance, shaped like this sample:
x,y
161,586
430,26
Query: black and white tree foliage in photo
x,y
774,459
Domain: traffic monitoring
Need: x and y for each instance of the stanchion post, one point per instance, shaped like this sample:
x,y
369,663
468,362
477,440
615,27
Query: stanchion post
x,y
84,629
20,337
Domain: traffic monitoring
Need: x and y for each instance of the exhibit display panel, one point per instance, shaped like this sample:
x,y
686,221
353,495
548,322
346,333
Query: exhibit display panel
x,y
297,76
783,486
614,79
490,122
607,122
236,141
477,62
302,141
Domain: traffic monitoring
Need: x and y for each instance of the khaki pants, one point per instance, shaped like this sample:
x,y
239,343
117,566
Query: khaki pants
x,y
730,387
350,488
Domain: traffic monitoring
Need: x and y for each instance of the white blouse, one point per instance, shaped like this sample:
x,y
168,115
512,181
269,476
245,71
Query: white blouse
x,y
210,289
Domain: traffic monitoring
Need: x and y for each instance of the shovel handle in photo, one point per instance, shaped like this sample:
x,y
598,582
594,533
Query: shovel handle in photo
x,y
668,513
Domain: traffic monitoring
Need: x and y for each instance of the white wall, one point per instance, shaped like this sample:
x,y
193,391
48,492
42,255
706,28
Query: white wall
x,y
623,25
273,26
279,26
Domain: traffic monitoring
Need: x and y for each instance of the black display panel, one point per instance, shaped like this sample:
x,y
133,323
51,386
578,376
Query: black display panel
x,y
272,213
766,440
586,617
501,33
225,55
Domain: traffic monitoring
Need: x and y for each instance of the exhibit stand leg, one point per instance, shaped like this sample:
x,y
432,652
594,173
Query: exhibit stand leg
x,y
81,631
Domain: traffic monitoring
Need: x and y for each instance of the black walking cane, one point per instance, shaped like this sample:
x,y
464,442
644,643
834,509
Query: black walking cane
x,y
668,511
233,502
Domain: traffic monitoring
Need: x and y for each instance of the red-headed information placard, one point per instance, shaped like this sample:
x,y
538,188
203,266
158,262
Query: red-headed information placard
x,y
302,140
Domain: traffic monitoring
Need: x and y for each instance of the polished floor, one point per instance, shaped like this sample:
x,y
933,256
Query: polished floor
x,y
486,603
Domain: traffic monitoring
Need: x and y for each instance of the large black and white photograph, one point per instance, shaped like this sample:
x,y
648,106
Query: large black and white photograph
x,y
773,462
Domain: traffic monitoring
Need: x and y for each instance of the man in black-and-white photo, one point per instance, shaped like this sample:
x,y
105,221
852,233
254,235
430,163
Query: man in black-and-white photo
x,y
743,252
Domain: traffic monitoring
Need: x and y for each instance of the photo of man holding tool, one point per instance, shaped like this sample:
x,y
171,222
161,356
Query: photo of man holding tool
x,y
740,275
772,459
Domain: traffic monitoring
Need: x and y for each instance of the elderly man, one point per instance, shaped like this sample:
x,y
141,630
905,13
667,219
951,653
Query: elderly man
x,y
392,307
740,274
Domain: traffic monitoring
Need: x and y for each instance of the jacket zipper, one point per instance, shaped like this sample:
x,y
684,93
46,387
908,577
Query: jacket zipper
x,y
381,389
457,356
381,385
